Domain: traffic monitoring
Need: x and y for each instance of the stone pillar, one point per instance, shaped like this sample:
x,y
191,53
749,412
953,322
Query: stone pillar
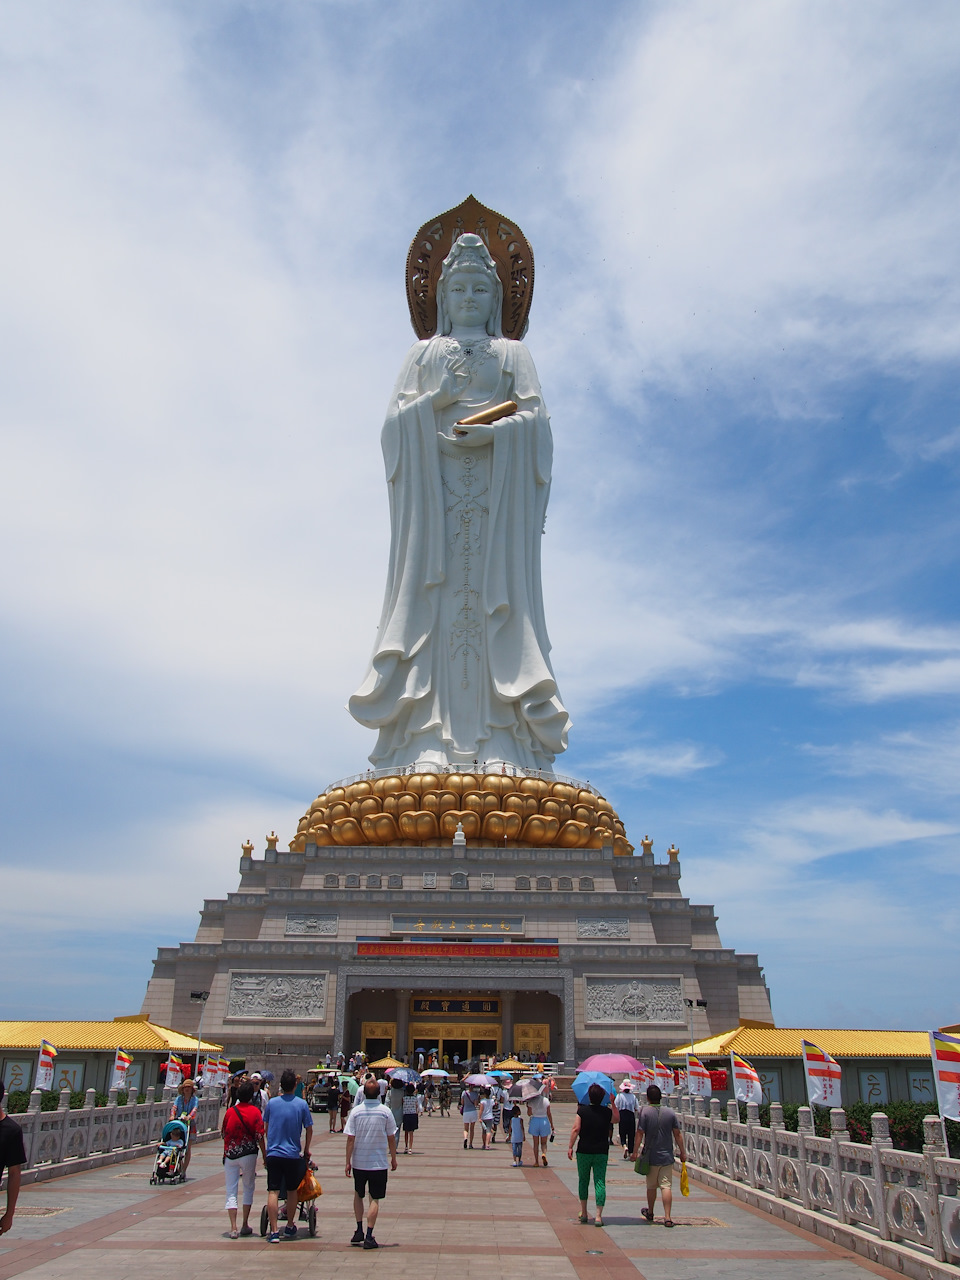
x,y
403,1021
506,1023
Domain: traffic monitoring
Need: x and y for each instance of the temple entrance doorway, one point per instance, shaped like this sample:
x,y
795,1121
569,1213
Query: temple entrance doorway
x,y
484,1048
376,1047
455,1047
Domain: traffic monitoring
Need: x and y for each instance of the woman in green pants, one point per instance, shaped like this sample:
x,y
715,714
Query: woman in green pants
x,y
591,1132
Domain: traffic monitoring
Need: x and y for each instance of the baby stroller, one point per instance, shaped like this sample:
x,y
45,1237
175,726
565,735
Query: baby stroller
x,y
171,1162
306,1211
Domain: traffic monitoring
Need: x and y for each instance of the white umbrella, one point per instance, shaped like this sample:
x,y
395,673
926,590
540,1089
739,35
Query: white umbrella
x,y
435,1071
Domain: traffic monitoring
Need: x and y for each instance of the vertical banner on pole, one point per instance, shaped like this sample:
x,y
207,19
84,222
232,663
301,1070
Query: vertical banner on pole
x,y
744,1080
945,1053
45,1066
663,1076
174,1072
121,1065
698,1078
823,1076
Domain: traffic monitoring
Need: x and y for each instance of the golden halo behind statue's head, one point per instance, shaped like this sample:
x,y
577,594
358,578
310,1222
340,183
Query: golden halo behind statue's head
x,y
508,247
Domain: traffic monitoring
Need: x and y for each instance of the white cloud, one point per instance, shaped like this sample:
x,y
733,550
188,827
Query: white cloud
x,y
668,760
767,191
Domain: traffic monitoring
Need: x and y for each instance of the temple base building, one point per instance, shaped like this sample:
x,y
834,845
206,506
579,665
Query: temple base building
x,y
468,946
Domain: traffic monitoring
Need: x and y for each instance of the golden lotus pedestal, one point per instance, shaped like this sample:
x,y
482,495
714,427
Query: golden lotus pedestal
x,y
491,809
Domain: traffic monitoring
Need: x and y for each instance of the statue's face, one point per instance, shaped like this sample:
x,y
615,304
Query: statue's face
x,y
469,299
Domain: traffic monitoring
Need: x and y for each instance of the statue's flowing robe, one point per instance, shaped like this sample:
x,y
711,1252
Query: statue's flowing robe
x,y
461,668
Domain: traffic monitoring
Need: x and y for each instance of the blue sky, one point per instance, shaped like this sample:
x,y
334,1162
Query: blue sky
x,y
747,326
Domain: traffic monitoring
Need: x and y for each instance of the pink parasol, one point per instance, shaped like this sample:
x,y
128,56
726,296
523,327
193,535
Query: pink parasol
x,y
611,1063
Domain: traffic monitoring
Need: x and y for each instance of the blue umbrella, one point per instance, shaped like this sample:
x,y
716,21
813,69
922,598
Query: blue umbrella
x,y
406,1074
586,1078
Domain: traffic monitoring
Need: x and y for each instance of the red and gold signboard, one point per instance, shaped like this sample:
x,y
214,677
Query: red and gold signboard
x,y
493,951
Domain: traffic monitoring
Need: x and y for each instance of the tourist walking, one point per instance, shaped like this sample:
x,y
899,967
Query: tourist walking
x,y
343,1104
657,1130
444,1097
394,1100
332,1089
185,1107
242,1133
285,1118
516,1137
371,1143
411,1117
496,1096
468,1109
485,1109
541,1126
591,1133
626,1104
12,1156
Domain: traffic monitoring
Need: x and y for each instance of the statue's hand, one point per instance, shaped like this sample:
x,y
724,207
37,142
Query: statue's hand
x,y
480,433
452,385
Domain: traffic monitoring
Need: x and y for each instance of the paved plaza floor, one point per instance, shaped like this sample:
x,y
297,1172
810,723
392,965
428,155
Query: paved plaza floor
x,y
448,1213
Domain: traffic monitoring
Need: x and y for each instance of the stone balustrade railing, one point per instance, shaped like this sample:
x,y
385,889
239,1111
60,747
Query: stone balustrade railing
x,y
92,1134
909,1198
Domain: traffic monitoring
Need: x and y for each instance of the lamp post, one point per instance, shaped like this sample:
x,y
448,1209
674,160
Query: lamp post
x,y
691,1004
201,998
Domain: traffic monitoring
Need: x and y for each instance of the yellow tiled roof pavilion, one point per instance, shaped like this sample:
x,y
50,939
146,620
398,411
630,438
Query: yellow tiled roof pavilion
x,y
761,1041
133,1034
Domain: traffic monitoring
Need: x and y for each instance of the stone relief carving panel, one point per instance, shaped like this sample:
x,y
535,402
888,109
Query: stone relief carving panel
x,y
633,1000
287,996
311,924
603,927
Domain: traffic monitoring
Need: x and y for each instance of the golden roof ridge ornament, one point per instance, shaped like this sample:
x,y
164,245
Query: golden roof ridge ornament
x,y
507,245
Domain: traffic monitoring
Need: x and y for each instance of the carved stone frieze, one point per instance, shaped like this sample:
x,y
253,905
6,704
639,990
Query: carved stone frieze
x,y
313,924
603,927
286,996
648,1000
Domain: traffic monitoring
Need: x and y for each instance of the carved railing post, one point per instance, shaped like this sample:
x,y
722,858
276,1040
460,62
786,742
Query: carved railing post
x,y
753,1122
804,1131
64,1100
715,1122
34,1103
880,1141
838,1133
933,1149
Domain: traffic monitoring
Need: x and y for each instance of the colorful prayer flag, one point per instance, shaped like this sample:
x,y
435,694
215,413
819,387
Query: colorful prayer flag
x,y
663,1076
698,1078
945,1053
121,1064
44,1078
746,1082
823,1076
174,1072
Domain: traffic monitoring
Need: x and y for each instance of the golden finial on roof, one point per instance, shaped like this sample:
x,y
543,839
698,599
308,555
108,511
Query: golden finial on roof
x,y
272,839
247,848
646,844
674,853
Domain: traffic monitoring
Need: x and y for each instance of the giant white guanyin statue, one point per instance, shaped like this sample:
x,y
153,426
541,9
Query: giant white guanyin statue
x,y
461,669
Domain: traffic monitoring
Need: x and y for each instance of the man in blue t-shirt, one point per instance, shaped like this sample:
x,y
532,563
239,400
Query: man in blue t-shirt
x,y
285,1118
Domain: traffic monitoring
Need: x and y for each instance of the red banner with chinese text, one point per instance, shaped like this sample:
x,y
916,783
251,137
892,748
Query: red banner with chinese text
x,y
493,950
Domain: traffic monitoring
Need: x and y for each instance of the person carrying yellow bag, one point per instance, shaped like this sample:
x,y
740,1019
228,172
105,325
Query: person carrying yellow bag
x,y
657,1130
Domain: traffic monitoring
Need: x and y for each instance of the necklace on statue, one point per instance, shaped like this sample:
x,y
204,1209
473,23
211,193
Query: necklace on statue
x,y
466,355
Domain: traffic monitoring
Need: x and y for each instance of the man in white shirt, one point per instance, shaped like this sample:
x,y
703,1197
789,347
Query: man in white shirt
x,y
371,1139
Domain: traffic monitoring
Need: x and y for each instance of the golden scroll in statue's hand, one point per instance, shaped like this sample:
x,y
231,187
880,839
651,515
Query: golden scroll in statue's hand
x,y
487,416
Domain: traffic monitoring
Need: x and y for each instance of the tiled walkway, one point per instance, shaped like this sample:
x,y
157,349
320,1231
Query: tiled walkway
x,y
448,1212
